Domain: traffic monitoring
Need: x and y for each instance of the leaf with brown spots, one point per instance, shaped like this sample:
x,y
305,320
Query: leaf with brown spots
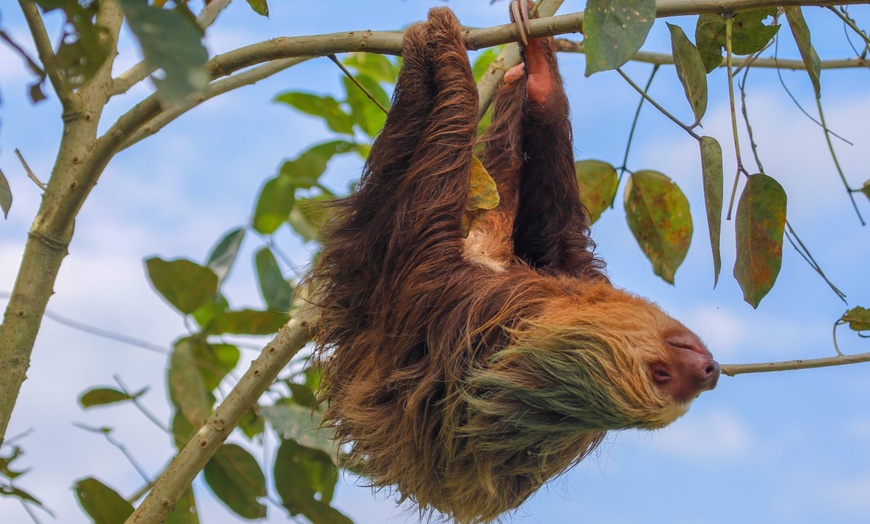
x,y
482,195
598,181
614,30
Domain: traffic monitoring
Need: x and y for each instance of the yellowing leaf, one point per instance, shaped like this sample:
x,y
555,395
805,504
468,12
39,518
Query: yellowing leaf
x,y
482,195
711,166
858,318
598,181
801,33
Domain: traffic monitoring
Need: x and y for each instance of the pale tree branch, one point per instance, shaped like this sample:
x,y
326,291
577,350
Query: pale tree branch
x,y
46,53
792,365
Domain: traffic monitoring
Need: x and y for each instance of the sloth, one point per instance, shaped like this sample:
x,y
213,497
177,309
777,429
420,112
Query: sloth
x,y
464,366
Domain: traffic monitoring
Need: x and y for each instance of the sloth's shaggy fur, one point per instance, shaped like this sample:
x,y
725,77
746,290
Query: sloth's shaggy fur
x,y
467,385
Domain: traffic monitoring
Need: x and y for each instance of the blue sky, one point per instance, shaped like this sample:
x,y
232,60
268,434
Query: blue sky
x,y
785,447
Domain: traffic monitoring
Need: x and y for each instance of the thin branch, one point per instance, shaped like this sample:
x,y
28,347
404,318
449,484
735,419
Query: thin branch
x,y
142,409
121,447
140,71
29,172
851,24
648,57
791,365
356,83
802,250
662,110
46,52
836,160
634,122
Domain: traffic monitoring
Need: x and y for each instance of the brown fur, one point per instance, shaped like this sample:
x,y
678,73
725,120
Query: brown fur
x,y
464,386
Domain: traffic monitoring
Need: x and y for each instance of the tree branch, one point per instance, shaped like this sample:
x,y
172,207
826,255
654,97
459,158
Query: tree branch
x,y
202,446
46,53
790,365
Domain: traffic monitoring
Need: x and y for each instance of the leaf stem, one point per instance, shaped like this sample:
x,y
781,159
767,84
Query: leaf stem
x,y
640,102
729,23
837,162
655,104
356,82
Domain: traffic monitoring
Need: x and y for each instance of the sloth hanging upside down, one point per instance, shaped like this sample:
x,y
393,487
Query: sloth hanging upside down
x,y
464,367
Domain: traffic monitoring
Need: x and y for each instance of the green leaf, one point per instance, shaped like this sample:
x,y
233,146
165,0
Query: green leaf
x,y
83,50
614,30
249,322
301,424
276,291
6,463
102,503
11,491
236,479
182,429
223,256
598,181
274,204
172,41
5,195
102,396
300,475
184,511
801,33
309,215
367,115
188,390
866,189
374,65
184,284
212,309
690,70
658,216
481,63
858,318
748,35
711,166
324,107
760,226
261,7
252,424
305,170
214,361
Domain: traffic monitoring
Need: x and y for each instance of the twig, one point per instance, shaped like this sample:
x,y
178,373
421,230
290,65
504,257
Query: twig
x,y
634,121
29,172
851,24
356,83
106,432
135,400
45,52
836,160
655,104
791,365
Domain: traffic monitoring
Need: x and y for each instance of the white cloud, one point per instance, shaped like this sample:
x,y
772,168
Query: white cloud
x,y
713,435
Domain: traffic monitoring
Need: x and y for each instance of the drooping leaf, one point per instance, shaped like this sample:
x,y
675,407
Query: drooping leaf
x,y
801,33
301,474
711,166
276,291
749,34
236,479
309,215
482,195
172,41
5,195
614,30
12,491
323,107
102,503
249,322
304,171
274,204
658,216
760,224
102,396
184,284
184,511
223,256
866,189
598,182
367,115
690,70
301,424
188,390
858,318
374,65
261,7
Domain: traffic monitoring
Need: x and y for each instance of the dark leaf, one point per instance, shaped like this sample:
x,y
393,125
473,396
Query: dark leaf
x,y
102,503
367,115
305,170
261,7
748,35
614,30
5,195
711,165
374,65
252,424
301,424
184,284
276,291
84,49
690,70
598,181
300,475
103,396
34,91
11,491
760,226
866,189
182,429
211,310
185,510
214,361
249,322
858,318
324,107
302,394
658,216
172,41
274,204
188,390
6,463
223,256
801,33
236,479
